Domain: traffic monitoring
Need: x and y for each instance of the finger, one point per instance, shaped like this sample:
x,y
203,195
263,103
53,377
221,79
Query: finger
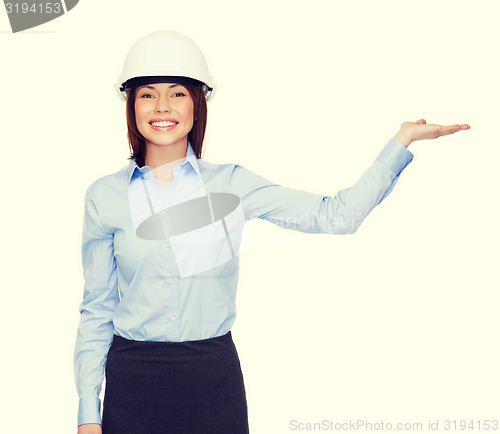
x,y
453,129
420,121
459,127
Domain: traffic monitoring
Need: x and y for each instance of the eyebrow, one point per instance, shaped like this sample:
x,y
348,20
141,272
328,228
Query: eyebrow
x,y
152,87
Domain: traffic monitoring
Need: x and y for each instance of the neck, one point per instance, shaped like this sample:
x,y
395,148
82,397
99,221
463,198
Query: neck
x,y
157,156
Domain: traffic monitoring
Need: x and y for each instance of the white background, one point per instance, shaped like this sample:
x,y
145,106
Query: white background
x,y
396,323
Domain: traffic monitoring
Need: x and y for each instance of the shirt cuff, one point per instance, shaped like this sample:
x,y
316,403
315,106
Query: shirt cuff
x,y
89,410
395,156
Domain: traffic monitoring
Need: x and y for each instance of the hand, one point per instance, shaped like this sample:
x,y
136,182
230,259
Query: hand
x,y
90,428
420,130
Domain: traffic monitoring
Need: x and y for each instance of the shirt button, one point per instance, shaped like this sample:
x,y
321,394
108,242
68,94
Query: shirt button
x,y
172,318
168,245
171,280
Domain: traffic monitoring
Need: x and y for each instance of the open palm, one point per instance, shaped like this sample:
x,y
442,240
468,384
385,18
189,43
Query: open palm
x,y
421,130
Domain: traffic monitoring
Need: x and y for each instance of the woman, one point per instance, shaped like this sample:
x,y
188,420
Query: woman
x,y
160,253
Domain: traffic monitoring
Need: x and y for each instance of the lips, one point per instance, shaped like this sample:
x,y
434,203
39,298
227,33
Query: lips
x,y
163,124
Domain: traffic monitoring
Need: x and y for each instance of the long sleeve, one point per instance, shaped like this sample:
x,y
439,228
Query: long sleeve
x,y
315,213
95,330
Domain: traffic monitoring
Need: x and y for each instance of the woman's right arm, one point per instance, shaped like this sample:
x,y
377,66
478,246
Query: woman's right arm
x,y
95,329
90,428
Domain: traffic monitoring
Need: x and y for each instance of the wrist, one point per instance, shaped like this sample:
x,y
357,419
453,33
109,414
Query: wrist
x,y
402,138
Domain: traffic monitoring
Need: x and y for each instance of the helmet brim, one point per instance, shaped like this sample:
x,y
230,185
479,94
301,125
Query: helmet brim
x,y
185,81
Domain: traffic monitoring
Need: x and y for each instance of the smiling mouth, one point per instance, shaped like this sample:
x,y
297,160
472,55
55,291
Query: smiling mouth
x,y
163,124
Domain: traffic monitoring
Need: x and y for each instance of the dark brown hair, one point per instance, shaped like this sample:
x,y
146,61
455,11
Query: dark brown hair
x,y
136,141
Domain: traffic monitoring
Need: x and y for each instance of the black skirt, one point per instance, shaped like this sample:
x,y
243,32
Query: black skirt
x,y
193,387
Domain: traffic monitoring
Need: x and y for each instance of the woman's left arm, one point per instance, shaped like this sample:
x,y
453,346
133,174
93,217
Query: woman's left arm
x,y
343,212
420,130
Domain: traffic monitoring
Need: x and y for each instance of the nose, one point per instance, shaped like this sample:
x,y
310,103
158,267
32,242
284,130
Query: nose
x,y
162,104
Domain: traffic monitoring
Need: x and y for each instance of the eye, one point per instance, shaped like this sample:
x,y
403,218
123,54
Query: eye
x,y
145,95
179,94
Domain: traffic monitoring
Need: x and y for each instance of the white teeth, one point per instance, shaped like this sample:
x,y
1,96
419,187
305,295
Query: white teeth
x,y
163,124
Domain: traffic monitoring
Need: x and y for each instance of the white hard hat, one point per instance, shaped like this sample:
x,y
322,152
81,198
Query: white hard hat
x,y
165,56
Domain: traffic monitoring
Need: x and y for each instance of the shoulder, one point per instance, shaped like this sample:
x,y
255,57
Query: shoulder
x,y
214,167
109,182
233,175
221,170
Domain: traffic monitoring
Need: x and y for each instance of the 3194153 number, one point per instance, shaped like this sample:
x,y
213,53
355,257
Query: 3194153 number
x,y
33,8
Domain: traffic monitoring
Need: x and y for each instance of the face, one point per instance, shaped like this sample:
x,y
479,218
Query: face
x,y
164,114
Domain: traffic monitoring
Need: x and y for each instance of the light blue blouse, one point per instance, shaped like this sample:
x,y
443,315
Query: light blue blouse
x,y
161,263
